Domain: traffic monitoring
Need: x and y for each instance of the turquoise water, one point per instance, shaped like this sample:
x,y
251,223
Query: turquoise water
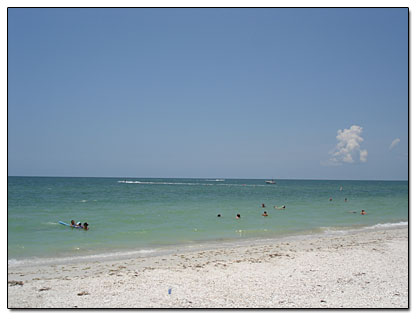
x,y
142,214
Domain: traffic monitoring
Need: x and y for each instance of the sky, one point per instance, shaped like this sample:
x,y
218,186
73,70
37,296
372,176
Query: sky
x,y
226,93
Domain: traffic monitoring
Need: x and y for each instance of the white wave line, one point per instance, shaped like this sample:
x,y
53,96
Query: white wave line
x,y
191,184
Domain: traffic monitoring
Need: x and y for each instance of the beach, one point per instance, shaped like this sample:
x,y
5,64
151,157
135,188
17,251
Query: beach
x,y
231,158
362,269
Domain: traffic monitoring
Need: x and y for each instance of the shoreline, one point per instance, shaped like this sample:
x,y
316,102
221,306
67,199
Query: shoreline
x,y
197,245
153,251
365,269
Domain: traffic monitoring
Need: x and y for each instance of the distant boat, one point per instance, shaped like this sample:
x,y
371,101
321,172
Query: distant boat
x,y
270,182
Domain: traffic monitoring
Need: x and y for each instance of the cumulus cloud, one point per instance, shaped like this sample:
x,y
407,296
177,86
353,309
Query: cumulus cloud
x,y
363,155
394,143
348,149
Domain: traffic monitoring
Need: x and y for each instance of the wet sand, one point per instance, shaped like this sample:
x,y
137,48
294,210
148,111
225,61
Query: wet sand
x,y
361,270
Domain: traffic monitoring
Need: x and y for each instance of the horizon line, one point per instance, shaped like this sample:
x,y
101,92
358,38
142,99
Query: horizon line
x,y
304,179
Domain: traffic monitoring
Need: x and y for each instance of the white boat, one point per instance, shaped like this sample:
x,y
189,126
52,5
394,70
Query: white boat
x,y
270,182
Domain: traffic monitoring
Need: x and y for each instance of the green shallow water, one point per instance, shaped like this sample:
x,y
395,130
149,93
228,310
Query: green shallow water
x,y
143,214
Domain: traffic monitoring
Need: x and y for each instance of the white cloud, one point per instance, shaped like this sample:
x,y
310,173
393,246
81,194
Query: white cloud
x,y
394,143
348,149
363,155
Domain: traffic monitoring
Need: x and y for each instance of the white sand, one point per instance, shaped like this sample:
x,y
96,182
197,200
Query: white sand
x,y
362,270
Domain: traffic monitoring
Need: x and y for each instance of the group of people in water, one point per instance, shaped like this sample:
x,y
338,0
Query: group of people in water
x,y
330,199
265,214
79,225
353,212
362,212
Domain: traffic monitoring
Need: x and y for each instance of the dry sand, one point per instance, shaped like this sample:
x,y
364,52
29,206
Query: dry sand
x,y
361,270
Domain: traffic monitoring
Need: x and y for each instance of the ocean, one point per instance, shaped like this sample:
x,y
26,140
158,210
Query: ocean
x,y
148,216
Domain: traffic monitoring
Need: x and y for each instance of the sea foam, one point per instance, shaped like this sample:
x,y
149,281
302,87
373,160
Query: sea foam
x,y
387,225
63,260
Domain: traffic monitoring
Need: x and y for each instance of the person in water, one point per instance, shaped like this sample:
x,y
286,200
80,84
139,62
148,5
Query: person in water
x,y
85,226
363,212
263,205
219,215
265,214
238,216
73,223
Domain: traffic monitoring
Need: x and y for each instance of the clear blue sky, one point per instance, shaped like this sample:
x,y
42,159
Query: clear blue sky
x,y
235,93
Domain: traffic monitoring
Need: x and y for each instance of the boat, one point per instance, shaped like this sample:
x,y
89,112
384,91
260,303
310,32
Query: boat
x,y
271,181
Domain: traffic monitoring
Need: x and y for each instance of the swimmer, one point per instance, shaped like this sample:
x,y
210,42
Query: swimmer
x,y
330,199
85,226
363,212
282,207
73,223
219,215
265,214
238,216
345,199
263,205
